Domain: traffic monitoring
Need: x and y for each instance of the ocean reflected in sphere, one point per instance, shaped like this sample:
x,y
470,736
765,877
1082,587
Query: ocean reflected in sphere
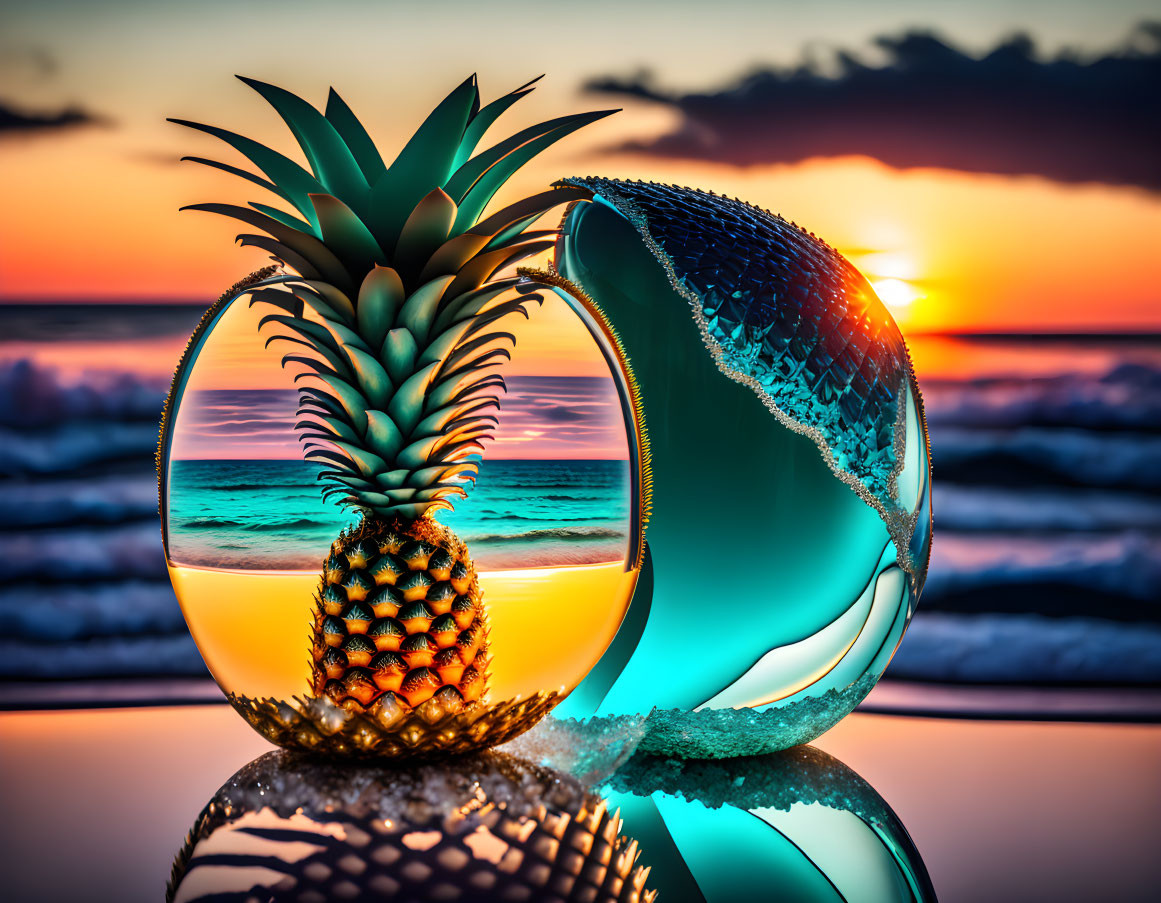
x,y
551,524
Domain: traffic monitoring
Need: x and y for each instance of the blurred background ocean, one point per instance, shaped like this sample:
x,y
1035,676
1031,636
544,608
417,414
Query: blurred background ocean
x,y
1046,569
994,168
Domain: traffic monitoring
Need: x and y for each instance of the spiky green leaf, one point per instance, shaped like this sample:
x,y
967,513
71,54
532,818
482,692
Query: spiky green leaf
x,y
393,479
484,119
473,202
380,297
383,435
348,399
423,164
425,230
399,353
317,253
291,178
287,219
374,383
406,407
241,174
367,461
330,158
346,234
419,311
513,152
351,130
328,301
291,258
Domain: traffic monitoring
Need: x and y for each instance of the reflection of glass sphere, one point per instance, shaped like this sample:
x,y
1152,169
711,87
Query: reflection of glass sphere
x,y
796,825
550,524
791,517
484,827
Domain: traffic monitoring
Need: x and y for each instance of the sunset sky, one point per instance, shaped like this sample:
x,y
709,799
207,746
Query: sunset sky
x,y
981,182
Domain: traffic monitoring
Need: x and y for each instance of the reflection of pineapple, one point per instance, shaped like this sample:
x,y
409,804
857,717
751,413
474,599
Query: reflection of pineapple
x,y
477,828
396,299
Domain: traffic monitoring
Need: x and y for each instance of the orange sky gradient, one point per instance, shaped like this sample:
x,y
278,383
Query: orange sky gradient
x,y
975,252
93,211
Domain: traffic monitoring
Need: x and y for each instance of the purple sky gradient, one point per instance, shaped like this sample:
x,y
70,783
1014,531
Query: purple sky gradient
x,y
542,417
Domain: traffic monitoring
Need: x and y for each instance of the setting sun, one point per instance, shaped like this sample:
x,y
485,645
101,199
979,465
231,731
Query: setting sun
x,y
897,294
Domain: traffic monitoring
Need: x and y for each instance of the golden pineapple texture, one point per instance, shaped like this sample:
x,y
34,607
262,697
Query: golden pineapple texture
x,y
399,611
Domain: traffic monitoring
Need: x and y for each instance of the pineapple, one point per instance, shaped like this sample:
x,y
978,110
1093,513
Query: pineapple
x,y
394,282
399,611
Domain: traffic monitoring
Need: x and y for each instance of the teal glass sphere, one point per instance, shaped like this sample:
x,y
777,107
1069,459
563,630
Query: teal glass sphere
x,y
791,519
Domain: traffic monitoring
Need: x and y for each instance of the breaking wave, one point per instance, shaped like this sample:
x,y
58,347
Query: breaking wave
x,y
1043,456
302,523
1125,397
32,395
1125,565
573,534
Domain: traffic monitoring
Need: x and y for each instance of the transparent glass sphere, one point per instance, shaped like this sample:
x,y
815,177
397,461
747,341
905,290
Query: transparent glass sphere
x,y
550,523
791,521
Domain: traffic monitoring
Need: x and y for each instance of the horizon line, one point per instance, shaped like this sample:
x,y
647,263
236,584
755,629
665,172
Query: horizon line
x,y
490,457
104,301
1122,332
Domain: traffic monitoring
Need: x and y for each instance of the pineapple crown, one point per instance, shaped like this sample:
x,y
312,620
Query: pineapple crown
x,y
397,286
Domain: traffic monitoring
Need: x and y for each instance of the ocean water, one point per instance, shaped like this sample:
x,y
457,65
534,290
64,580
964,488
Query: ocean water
x,y
270,515
1046,561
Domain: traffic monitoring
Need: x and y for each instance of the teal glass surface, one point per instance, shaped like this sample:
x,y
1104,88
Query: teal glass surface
x,y
795,826
790,525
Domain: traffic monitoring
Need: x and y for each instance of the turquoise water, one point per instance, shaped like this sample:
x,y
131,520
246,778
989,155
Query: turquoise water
x,y
270,514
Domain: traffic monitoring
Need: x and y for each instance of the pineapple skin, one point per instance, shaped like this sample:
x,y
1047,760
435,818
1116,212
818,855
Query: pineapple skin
x,y
399,611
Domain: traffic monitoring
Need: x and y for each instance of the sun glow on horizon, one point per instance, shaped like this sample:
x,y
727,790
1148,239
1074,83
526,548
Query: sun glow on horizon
x,y
897,294
894,276
978,252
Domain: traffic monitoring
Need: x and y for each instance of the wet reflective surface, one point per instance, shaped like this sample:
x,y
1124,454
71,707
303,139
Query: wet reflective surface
x,y
792,825
483,827
95,805
797,824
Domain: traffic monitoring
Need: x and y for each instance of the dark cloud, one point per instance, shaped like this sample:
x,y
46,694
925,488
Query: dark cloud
x,y
562,414
17,121
1009,111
